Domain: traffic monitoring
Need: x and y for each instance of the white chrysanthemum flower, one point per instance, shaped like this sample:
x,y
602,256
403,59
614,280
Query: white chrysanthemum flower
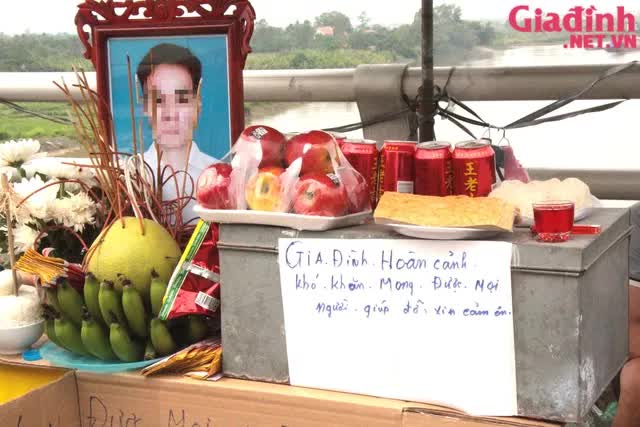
x,y
39,202
60,168
23,238
10,172
15,153
76,211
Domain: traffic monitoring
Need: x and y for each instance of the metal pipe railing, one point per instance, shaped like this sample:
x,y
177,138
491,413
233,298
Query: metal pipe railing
x,y
337,85
471,84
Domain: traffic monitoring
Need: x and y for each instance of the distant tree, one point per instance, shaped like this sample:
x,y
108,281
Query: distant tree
x,y
297,45
338,20
41,52
269,39
363,21
316,58
406,42
445,14
486,33
300,35
329,43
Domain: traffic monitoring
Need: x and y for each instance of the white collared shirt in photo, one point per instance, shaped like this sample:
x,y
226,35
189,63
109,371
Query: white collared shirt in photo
x,y
198,162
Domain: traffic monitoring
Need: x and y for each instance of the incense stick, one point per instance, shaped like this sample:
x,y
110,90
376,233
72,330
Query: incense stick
x,y
194,123
131,107
12,255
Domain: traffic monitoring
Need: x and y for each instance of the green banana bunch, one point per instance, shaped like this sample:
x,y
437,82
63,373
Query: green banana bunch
x,y
119,283
161,338
110,303
149,351
49,315
197,329
134,310
95,339
70,302
69,335
91,291
52,298
122,345
158,288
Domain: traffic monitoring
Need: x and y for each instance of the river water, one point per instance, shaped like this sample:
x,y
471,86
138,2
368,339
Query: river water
x,y
605,140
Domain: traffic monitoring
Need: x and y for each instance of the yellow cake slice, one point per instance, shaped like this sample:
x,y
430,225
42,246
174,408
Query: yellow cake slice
x,y
451,211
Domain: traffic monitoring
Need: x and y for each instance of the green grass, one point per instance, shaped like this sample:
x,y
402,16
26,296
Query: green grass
x,y
15,124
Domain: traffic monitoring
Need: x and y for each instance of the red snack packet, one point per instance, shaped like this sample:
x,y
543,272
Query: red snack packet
x,y
194,287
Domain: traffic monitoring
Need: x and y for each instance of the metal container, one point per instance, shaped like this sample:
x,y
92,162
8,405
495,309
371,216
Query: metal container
x,y
364,156
396,167
570,305
433,169
474,169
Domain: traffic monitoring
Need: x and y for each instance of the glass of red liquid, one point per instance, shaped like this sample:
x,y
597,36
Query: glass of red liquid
x,y
553,220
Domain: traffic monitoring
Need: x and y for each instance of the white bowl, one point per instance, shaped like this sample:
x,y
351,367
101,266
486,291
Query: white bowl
x,y
17,340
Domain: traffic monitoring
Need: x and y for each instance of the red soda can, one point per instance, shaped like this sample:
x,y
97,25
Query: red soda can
x,y
396,167
433,169
474,171
364,157
340,138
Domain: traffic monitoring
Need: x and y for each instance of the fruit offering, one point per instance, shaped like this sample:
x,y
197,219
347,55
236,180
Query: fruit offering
x,y
271,142
264,190
305,175
116,324
320,194
315,151
125,251
214,187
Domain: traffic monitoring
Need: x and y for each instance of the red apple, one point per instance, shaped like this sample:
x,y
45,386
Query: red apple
x,y
319,194
272,142
214,187
314,147
357,189
264,190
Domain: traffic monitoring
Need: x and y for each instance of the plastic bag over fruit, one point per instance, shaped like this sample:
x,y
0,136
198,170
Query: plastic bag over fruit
x,y
306,174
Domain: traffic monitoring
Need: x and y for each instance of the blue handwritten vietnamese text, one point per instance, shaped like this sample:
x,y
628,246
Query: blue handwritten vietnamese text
x,y
330,308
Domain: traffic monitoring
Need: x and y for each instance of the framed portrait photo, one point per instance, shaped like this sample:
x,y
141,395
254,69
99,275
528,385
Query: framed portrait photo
x,y
176,65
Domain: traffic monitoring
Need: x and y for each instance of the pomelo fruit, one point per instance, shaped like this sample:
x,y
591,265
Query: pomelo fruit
x,y
126,252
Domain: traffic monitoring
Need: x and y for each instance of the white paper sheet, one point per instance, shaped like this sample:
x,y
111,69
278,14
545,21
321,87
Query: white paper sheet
x,y
425,321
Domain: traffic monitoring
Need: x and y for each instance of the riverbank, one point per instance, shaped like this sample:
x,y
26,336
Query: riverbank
x,y
59,139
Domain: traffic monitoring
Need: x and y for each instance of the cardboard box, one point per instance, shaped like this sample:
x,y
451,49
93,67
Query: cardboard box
x,y
38,396
131,400
443,417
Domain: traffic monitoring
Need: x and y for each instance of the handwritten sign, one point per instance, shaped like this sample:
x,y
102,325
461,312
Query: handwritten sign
x,y
98,413
426,321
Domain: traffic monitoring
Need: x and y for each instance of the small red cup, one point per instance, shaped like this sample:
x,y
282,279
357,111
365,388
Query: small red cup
x,y
553,220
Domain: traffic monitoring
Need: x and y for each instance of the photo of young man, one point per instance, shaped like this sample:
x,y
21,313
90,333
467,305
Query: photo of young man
x,y
171,78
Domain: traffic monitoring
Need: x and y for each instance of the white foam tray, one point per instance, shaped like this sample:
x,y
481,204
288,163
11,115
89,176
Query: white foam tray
x,y
279,219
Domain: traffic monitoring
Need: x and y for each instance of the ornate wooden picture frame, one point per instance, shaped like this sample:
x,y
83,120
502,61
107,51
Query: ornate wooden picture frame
x,y
121,37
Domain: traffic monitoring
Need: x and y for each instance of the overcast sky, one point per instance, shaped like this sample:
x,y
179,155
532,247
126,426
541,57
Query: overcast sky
x,y
54,16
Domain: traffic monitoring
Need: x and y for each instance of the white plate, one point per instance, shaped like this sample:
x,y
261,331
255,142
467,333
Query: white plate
x,y
442,233
279,219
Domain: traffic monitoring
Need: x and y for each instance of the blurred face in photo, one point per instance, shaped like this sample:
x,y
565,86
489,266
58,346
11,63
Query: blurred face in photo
x,y
171,106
